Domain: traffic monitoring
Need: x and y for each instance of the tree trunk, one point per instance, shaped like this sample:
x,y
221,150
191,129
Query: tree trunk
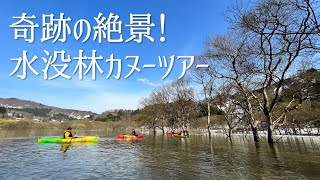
x,y
269,128
254,130
154,130
300,132
269,124
255,134
270,137
163,126
294,130
230,132
209,120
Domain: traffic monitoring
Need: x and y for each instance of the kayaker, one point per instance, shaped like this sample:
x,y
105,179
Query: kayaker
x,y
186,133
134,132
68,134
182,133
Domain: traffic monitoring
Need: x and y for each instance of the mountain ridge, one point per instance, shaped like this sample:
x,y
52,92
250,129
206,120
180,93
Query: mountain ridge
x,y
14,105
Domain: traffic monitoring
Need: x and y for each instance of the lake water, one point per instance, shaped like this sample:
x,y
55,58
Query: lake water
x,y
158,157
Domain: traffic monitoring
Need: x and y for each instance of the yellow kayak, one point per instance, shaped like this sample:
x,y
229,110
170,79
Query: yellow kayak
x,y
63,140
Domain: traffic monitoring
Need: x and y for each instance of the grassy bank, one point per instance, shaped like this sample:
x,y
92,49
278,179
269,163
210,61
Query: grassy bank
x,y
10,124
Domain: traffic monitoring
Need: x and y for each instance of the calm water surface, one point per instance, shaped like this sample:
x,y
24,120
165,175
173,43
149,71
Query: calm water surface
x,y
158,157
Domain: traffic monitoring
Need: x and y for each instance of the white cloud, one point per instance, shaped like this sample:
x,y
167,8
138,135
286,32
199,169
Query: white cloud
x,y
52,83
102,101
147,82
98,96
67,84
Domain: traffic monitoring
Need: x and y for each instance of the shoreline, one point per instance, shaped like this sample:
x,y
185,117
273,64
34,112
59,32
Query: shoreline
x,y
10,124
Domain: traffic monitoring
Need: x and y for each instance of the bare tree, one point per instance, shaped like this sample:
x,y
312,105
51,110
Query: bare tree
x,y
183,98
284,32
162,98
149,111
261,51
173,101
206,78
232,55
226,101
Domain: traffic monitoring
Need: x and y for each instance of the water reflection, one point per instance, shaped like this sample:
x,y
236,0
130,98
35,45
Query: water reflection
x,y
161,157
65,147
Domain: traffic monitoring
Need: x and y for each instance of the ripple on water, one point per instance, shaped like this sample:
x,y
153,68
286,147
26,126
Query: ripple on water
x,y
160,158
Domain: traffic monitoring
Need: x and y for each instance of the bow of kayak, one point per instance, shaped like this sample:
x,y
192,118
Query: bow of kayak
x,y
121,136
170,133
63,140
179,136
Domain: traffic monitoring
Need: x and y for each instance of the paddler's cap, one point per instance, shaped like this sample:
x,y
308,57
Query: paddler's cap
x,y
69,129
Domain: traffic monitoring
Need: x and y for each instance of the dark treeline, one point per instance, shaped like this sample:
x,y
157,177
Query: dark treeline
x,y
177,105
261,74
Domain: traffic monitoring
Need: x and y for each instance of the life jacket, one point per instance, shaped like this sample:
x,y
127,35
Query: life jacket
x,y
66,135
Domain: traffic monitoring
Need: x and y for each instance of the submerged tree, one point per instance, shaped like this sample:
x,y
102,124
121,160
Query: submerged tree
x,y
284,32
232,55
183,98
226,100
266,42
206,78
171,104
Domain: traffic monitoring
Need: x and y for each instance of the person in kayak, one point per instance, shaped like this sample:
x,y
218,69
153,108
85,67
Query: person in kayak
x,y
181,133
186,133
134,133
68,134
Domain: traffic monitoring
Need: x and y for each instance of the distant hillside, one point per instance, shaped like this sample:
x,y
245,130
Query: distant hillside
x,y
28,109
115,115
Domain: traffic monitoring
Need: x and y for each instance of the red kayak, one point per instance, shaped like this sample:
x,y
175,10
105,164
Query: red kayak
x,y
173,133
121,136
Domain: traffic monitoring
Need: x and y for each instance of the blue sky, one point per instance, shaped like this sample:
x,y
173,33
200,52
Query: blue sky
x,y
187,24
